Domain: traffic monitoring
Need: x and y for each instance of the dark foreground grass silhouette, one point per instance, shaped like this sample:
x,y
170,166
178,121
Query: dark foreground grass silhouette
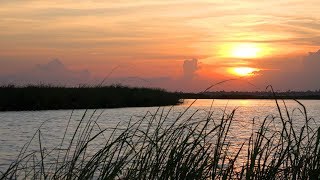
x,y
186,148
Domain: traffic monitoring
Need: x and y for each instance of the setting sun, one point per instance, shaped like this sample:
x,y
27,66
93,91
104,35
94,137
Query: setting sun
x,y
245,51
244,71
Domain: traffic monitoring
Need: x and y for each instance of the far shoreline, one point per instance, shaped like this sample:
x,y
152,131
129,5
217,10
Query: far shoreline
x,y
37,98
288,95
46,97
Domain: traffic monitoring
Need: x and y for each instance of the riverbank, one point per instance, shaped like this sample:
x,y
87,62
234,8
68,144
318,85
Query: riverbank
x,y
53,98
312,95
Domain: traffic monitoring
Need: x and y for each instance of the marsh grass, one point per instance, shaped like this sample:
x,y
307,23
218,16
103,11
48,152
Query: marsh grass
x,y
48,97
153,147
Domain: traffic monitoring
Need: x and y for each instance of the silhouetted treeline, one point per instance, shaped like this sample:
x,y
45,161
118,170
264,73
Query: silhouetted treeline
x,y
45,97
253,95
49,97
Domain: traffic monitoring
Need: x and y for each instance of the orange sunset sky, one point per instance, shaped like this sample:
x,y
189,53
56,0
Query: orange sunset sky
x,y
182,45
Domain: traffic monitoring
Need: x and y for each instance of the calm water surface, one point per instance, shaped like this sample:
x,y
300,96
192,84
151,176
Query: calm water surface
x,y
17,128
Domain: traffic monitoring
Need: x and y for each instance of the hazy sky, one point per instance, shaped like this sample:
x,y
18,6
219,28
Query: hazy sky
x,y
268,41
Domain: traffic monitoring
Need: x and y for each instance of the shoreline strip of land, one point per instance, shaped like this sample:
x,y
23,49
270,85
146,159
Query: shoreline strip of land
x,y
34,98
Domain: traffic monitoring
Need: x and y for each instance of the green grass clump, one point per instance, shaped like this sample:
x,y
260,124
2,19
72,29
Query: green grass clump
x,y
155,147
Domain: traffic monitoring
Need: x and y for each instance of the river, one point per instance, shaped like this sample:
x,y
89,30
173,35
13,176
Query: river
x,y
17,128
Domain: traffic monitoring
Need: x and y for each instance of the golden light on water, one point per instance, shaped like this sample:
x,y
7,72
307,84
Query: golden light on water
x,y
244,71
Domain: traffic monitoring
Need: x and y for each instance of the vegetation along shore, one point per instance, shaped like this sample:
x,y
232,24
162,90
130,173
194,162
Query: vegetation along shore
x,y
47,97
54,97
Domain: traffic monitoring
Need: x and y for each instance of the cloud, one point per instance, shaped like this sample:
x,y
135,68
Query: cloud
x,y
311,70
296,73
188,81
189,68
53,72
304,78
312,62
56,73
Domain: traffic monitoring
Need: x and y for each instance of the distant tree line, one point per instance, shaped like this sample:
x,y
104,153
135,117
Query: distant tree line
x,y
48,97
45,97
253,95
